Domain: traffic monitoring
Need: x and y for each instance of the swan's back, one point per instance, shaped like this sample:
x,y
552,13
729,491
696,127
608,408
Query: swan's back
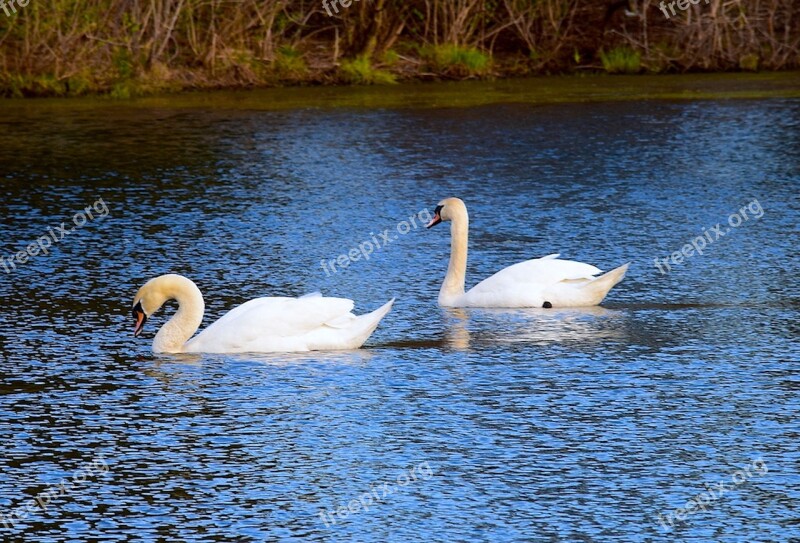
x,y
286,324
528,283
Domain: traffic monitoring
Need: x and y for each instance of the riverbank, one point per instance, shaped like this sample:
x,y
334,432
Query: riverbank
x,y
316,72
584,88
124,50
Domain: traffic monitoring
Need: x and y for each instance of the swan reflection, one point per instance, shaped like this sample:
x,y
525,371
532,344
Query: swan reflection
x,y
466,328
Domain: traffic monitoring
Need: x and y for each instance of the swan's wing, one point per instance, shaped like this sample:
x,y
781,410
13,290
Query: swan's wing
x,y
522,284
541,271
285,316
262,318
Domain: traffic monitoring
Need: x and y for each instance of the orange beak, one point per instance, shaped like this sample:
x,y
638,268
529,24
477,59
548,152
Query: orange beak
x,y
434,221
140,317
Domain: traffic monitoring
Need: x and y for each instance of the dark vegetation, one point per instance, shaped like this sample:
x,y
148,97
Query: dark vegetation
x,y
132,47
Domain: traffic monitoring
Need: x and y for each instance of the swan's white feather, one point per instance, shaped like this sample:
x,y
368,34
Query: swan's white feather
x,y
541,282
309,323
526,284
286,324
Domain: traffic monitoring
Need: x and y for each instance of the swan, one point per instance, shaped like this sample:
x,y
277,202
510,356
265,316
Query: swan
x,y
309,323
543,282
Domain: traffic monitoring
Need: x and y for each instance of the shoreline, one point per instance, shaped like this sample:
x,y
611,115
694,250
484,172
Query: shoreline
x,y
131,49
553,89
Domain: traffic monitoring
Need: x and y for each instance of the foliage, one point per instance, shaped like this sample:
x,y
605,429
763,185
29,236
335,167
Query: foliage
x,y
289,64
390,58
359,71
621,60
749,63
125,47
455,60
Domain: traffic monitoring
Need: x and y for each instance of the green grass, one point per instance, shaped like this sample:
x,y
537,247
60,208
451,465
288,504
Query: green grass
x,y
621,60
390,58
748,63
455,60
289,64
359,71
588,88
124,85
20,85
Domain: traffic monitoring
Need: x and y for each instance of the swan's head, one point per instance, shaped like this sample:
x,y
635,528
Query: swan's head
x,y
154,293
447,210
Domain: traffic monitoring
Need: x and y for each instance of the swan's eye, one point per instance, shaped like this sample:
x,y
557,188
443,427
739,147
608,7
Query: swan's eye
x,y
438,210
137,309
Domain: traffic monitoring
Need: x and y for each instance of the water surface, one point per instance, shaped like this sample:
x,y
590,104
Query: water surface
x,y
517,425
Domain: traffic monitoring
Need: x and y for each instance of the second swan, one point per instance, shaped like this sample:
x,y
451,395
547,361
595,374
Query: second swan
x,y
542,282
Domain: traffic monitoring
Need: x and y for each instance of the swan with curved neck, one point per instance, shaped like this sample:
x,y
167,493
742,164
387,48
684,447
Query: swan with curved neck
x,y
543,282
273,324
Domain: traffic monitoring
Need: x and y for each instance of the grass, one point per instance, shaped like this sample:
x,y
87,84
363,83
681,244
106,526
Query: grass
x,y
390,58
748,63
455,60
289,64
621,60
359,71
586,88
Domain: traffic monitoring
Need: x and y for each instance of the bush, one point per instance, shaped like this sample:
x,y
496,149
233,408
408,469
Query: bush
x,y
748,63
359,71
390,58
621,60
289,64
456,61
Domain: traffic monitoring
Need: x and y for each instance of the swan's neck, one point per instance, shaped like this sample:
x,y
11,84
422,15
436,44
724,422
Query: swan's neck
x,y
453,286
177,331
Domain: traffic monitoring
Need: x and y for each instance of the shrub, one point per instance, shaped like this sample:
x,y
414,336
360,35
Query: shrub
x,y
748,63
621,60
359,71
455,60
390,58
289,64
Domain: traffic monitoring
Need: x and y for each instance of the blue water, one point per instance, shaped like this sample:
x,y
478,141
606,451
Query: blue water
x,y
477,425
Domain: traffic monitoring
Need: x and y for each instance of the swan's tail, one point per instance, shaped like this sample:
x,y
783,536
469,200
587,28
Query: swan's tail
x,y
601,285
366,324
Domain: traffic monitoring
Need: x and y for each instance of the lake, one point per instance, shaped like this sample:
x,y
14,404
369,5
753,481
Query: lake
x,y
469,425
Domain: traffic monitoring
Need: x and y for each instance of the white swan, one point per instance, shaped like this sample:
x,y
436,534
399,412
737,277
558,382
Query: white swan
x,y
310,323
543,282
